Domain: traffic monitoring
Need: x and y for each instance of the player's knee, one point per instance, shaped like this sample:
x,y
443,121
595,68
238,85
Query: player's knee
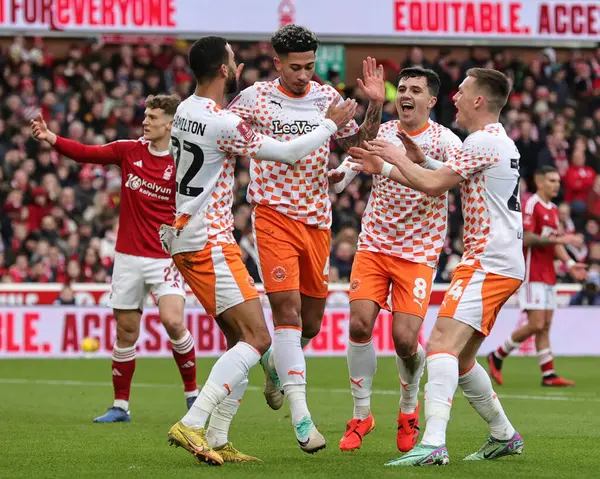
x,y
127,335
405,338
405,347
310,328
174,325
361,327
287,314
538,327
259,339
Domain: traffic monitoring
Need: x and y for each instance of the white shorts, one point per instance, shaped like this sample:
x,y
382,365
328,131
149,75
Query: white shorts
x,y
537,296
135,276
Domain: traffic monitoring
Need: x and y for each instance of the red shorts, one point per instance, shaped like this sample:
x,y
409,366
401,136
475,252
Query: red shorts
x,y
293,256
372,274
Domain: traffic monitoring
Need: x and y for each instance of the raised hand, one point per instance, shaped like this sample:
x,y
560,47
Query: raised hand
x,y
365,161
341,113
374,82
335,176
388,151
579,271
40,130
413,151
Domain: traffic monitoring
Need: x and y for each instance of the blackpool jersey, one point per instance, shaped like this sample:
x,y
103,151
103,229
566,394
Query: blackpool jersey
x,y
403,222
298,191
542,219
205,141
493,223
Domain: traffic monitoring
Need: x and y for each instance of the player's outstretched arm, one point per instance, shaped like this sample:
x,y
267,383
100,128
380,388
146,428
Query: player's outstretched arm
x,y
374,88
292,151
342,176
105,154
416,154
577,270
364,159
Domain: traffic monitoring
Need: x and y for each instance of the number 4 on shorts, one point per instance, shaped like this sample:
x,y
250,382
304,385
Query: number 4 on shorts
x,y
457,290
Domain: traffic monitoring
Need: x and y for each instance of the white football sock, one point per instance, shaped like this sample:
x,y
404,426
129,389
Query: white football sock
x,y
442,373
410,370
231,369
291,369
362,365
220,419
477,388
507,347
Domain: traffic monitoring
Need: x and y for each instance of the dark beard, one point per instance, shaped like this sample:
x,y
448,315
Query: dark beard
x,y
231,85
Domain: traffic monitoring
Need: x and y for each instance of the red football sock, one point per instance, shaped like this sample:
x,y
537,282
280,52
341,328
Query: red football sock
x,y
123,367
185,357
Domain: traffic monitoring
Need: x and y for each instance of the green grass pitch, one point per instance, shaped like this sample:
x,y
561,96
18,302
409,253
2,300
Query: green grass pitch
x,y
47,406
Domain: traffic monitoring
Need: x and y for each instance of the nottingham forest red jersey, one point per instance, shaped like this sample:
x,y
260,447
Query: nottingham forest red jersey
x,y
147,190
541,219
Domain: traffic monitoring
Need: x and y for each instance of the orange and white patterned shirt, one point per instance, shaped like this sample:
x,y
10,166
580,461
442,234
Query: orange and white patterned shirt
x,y
298,191
493,228
205,141
400,221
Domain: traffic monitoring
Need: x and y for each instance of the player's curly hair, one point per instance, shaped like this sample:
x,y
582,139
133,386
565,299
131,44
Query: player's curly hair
x,y
294,39
166,103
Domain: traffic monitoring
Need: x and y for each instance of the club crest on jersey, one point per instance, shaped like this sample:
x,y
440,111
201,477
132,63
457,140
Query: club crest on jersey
x,y
279,274
168,173
298,127
355,285
245,131
250,281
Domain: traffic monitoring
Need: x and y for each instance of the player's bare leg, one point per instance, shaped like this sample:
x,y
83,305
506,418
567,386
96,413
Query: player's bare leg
x,y
362,365
312,311
546,359
535,324
291,366
227,375
453,343
410,360
123,364
170,309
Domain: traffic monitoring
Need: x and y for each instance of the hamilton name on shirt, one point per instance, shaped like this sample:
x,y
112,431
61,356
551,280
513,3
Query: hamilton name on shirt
x,y
189,126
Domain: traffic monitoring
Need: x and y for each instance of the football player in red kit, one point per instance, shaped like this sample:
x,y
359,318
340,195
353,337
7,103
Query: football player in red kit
x,y
543,242
141,265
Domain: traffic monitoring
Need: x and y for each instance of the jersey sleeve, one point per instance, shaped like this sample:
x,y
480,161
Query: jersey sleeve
x,y
450,145
473,157
111,153
529,218
244,105
237,137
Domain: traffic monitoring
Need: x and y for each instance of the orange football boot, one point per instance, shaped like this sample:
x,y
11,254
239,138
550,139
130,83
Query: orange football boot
x,y
408,430
356,429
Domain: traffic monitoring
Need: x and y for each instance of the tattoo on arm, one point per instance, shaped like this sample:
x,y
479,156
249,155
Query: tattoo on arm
x,y
367,131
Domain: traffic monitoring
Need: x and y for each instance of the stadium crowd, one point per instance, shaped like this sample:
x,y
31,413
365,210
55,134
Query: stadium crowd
x,y
59,220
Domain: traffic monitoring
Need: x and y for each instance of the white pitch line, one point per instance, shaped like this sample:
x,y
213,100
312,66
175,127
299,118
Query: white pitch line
x,y
378,392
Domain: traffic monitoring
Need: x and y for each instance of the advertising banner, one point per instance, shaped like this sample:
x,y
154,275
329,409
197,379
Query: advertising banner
x,y
353,20
58,332
88,294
